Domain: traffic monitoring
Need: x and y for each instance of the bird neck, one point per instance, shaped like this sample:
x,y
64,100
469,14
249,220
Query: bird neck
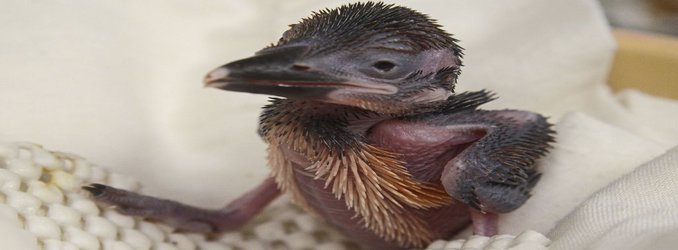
x,y
340,123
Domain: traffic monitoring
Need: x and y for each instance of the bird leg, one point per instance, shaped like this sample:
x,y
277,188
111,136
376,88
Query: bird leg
x,y
484,224
188,218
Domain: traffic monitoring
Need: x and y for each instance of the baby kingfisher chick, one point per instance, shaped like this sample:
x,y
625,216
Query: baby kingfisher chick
x,y
368,134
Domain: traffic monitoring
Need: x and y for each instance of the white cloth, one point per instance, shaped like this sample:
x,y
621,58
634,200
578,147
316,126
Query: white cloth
x,y
120,83
637,211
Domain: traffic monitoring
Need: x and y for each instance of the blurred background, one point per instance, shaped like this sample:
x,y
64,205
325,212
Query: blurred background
x,y
647,35
658,16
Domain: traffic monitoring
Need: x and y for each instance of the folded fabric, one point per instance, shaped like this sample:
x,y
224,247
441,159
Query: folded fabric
x,y
637,211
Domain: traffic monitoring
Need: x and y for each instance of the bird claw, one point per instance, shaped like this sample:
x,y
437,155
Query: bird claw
x,y
125,201
95,189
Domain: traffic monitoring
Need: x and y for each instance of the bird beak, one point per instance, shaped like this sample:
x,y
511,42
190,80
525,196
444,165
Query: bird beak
x,y
278,71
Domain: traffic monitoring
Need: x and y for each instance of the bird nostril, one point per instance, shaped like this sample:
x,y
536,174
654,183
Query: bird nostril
x,y
300,67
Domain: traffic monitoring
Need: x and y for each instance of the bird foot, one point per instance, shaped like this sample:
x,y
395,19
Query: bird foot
x,y
180,216
184,217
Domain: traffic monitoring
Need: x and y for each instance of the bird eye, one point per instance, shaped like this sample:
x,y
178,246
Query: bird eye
x,y
384,66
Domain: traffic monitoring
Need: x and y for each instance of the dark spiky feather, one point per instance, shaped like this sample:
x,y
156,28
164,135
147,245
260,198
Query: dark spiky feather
x,y
386,25
466,101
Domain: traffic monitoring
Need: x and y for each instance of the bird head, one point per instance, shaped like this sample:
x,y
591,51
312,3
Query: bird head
x,y
374,56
